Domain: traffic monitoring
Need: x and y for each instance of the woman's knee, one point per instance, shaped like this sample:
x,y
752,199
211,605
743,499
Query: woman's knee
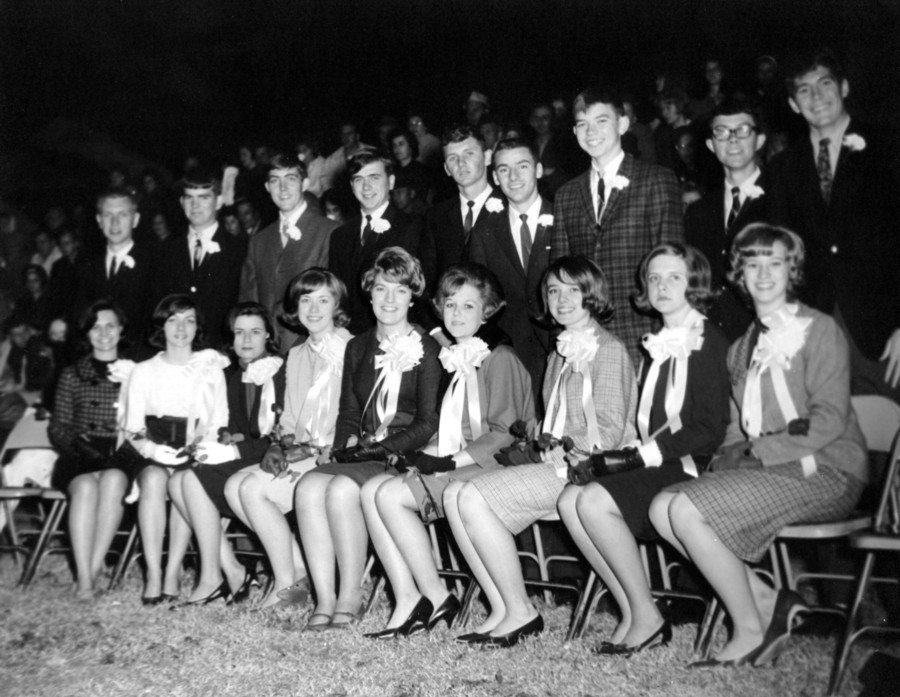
x,y
567,500
682,513
311,488
342,491
249,488
83,485
470,503
153,480
173,485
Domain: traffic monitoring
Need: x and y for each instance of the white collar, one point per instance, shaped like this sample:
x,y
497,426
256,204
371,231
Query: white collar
x,y
205,235
376,214
120,254
479,200
748,185
533,213
612,168
293,216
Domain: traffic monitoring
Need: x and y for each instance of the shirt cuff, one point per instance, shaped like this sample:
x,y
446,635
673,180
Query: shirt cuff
x,y
651,454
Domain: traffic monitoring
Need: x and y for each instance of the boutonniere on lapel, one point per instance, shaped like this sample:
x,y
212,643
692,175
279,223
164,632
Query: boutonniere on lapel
x,y
380,225
545,220
128,261
854,142
619,182
293,232
755,191
494,205
211,247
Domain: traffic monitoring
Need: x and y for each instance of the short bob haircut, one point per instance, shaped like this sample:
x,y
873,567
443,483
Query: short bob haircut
x,y
252,309
480,278
309,281
88,319
398,266
698,293
172,305
757,239
590,280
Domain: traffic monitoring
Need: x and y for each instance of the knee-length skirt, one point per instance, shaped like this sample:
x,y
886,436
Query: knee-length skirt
x,y
521,495
428,489
747,508
359,472
633,491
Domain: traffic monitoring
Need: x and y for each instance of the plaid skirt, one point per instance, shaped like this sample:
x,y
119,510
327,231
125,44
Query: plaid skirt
x,y
521,495
747,508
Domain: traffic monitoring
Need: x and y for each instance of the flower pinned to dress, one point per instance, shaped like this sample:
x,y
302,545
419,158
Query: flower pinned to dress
x,y
207,362
755,191
784,338
545,220
402,352
578,347
128,260
854,142
494,205
120,370
331,348
464,357
618,181
674,342
261,370
380,225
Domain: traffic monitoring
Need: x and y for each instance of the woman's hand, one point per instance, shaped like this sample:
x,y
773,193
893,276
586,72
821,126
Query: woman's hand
x,y
361,453
518,454
273,462
429,464
166,455
325,456
215,453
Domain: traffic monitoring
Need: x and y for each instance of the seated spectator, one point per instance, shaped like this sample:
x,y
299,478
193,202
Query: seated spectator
x,y
34,305
65,276
48,252
334,206
309,150
231,221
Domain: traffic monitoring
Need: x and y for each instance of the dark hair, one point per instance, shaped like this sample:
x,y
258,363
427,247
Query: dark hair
x,y
479,277
172,305
286,160
801,64
357,162
88,319
252,309
732,106
410,138
398,266
457,133
598,95
313,141
38,271
334,197
698,293
200,178
590,280
117,192
513,143
311,280
674,95
756,236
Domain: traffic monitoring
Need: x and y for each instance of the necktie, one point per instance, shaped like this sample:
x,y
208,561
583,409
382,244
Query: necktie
x,y
113,267
198,252
367,231
735,206
601,197
525,240
469,222
285,225
823,167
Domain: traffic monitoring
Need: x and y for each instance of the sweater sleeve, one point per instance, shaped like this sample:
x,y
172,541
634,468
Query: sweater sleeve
x,y
350,409
425,423
60,429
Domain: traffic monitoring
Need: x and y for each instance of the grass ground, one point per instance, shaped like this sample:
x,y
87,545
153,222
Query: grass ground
x,y
52,645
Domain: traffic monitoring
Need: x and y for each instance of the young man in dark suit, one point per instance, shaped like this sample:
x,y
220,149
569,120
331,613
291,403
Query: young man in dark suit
x,y
206,263
710,224
615,212
124,272
839,189
450,224
515,245
379,224
297,241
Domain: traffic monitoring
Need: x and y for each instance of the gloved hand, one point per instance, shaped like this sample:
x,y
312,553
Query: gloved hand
x,y
325,456
518,455
273,462
739,456
604,463
361,453
165,454
85,451
581,473
429,464
298,452
210,453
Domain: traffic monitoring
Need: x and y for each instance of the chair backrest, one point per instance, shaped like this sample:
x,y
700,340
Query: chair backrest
x,y
879,419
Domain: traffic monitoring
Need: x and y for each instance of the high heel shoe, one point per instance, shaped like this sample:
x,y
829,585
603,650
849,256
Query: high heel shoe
x,y
661,637
220,592
473,638
505,641
748,658
787,605
243,591
447,611
415,622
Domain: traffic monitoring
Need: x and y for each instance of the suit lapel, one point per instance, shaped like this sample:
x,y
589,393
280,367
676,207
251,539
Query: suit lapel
x,y
586,199
504,235
626,169
540,247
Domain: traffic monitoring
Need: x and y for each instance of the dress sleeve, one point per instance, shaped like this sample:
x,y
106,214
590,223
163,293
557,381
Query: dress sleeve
x,y
349,410
219,417
61,428
425,423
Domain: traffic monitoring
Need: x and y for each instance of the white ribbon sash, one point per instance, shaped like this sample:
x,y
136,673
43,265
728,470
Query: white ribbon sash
x,y
578,348
319,398
401,354
260,372
461,360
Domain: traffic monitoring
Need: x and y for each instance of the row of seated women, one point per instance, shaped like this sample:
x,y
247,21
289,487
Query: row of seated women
x,y
717,451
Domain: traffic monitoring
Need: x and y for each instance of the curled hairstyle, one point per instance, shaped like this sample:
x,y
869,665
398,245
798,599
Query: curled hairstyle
x,y
410,139
757,239
398,266
172,305
589,278
698,292
88,319
252,309
479,277
309,281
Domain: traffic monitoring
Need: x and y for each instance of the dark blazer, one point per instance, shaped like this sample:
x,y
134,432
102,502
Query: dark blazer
x,y
492,245
417,404
269,267
245,422
349,259
704,228
852,250
213,284
637,218
131,289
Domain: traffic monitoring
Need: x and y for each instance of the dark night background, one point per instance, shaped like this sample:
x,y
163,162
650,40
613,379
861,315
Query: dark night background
x,y
154,79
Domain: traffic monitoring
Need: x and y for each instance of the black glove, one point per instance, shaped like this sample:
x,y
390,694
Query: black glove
x,y
273,462
605,463
361,453
581,473
739,456
85,451
520,454
429,464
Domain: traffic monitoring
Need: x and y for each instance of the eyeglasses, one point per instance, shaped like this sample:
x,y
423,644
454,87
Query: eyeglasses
x,y
722,133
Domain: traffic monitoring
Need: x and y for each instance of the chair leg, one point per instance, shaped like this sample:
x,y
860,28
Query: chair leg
x,y
709,626
844,645
468,598
125,559
48,530
582,608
